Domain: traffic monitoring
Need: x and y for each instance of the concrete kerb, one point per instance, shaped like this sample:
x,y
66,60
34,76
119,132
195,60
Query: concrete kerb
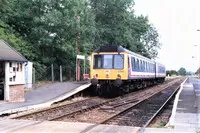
x,y
48,103
171,120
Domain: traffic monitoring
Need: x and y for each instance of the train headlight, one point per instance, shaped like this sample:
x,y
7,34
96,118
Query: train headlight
x,y
119,76
107,75
95,76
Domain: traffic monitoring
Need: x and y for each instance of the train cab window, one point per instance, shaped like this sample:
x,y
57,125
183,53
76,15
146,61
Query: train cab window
x,y
107,61
97,61
118,61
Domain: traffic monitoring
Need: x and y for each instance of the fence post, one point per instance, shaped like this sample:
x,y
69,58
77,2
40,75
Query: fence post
x,y
34,86
60,73
52,73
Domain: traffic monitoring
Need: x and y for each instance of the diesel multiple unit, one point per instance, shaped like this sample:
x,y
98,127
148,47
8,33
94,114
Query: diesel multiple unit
x,y
116,69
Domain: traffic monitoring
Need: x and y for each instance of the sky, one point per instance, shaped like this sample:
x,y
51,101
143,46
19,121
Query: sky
x,y
177,22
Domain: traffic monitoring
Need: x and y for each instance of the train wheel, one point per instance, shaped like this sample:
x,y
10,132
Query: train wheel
x,y
126,89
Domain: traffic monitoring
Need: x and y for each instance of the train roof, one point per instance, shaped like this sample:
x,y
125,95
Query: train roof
x,y
118,48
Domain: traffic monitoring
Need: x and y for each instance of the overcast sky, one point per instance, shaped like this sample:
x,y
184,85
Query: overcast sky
x,y
177,22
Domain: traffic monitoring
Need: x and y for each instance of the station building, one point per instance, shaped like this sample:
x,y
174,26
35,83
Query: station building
x,y
12,76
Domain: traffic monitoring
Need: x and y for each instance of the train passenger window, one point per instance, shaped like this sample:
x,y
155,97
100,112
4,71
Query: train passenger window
x,y
97,61
146,66
118,61
143,66
140,65
133,62
137,64
107,61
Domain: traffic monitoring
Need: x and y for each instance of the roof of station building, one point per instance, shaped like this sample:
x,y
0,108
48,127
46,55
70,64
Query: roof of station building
x,y
7,53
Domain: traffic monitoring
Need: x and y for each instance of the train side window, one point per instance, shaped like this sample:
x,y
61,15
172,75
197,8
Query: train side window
x,y
137,64
146,66
133,63
143,66
150,67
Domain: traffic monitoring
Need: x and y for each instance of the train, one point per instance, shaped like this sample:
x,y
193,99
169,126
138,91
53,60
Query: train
x,y
115,70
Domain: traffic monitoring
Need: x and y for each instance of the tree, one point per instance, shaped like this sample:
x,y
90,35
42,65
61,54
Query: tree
x,y
116,24
52,28
48,31
171,72
151,42
182,71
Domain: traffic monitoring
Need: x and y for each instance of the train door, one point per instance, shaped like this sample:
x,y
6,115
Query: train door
x,y
2,79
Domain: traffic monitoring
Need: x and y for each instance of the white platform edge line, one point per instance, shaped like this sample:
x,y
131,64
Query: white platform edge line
x,y
48,103
171,120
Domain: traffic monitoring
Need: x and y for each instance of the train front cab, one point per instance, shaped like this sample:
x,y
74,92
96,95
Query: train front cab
x,y
109,69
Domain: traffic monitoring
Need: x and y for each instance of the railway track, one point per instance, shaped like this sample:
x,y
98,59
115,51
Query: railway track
x,y
112,108
54,112
111,111
142,114
121,112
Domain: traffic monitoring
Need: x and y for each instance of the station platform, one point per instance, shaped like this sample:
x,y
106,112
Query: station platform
x,y
185,118
44,96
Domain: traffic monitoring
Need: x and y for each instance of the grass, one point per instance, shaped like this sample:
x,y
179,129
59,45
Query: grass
x,y
161,124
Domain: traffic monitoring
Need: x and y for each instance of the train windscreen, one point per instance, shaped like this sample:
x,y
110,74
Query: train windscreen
x,y
109,61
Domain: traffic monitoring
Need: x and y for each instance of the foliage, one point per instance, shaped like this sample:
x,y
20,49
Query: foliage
x,y
171,72
116,24
16,41
50,32
182,71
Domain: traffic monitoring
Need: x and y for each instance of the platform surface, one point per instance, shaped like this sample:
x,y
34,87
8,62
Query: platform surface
x,y
44,96
186,117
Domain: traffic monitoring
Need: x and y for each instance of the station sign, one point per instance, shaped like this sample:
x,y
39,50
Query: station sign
x,y
80,57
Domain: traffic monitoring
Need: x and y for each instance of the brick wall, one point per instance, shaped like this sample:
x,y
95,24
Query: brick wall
x,y
16,93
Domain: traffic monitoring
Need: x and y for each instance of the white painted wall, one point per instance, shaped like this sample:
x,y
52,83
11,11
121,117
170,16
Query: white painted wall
x,y
14,75
28,75
6,85
17,73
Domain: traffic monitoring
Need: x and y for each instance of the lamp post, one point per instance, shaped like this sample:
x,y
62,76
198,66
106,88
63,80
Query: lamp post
x,y
198,69
78,69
